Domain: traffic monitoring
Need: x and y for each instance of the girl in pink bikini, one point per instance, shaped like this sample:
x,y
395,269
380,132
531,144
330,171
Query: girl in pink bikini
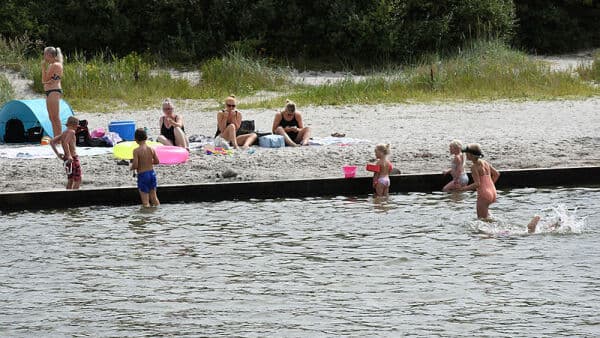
x,y
484,178
381,175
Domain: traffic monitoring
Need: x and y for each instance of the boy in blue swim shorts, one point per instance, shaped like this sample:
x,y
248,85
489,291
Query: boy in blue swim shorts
x,y
144,159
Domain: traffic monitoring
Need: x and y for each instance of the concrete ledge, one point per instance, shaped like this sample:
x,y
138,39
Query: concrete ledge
x,y
35,200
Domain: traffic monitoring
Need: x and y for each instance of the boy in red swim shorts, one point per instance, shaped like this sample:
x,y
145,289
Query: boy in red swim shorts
x,y
69,156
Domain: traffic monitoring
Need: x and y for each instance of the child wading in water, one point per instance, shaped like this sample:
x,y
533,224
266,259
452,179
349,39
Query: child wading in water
x,y
382,169
457,169
69,156
144,158
484,178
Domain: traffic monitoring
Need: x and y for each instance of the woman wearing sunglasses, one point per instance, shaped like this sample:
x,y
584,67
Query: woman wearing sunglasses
x,y
172,132
229,121
288,124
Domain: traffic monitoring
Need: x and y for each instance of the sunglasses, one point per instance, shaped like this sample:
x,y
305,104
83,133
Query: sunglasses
x,y
167,109
231,105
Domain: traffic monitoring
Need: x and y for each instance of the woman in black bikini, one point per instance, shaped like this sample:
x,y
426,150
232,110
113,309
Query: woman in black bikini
x,y
172,132
52,71
289,124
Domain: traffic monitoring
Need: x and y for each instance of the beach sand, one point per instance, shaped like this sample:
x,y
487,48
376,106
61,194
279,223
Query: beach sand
x,y
513,135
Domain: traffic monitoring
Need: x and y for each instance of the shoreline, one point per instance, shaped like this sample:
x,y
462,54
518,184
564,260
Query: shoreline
x,y
513,135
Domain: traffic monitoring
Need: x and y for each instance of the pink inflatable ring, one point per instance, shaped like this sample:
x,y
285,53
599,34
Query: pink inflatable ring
x,y
171,154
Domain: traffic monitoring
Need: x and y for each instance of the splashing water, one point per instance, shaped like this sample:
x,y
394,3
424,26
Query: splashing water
x,y
560,221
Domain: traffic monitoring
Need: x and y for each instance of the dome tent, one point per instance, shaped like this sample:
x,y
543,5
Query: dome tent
x,y
32,113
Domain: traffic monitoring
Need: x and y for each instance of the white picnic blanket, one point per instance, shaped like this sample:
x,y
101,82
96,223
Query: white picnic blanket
x,y
329,140
39,151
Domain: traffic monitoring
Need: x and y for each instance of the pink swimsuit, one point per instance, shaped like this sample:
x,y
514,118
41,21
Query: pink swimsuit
x,y
486,191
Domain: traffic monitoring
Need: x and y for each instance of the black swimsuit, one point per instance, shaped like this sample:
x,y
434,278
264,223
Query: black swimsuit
x,y
169,133
292,123
54,77
53,90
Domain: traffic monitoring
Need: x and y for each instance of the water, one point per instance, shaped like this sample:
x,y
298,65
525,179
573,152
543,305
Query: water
x,y
417,265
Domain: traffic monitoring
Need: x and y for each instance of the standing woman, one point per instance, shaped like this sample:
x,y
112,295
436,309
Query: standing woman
x,y
52,71
484,180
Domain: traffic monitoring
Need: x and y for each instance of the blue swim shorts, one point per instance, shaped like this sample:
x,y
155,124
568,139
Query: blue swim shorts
x,y
146,181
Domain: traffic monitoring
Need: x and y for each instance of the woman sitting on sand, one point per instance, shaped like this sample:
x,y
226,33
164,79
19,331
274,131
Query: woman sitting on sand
x,y
288,124
172,132
229,121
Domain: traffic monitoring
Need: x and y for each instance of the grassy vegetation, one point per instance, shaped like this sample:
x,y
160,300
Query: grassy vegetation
x,y
6,90
239,74
484,71
591,72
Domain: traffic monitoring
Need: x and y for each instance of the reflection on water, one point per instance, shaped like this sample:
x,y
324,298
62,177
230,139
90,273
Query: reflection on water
x,y
414,264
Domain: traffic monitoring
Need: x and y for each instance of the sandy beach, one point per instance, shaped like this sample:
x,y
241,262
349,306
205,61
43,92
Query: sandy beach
x,y
513,135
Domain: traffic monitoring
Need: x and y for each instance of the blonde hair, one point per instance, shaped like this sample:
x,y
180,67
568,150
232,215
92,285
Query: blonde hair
x,y
230,98
383,148
457,144
290,106
167,102
55,52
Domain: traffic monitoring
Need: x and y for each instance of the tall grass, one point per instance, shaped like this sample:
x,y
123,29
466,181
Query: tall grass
x,y
591,72
240,74
6,90
13,52
105,80
485,70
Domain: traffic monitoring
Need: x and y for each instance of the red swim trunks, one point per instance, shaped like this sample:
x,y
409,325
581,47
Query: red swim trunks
x,y
73,169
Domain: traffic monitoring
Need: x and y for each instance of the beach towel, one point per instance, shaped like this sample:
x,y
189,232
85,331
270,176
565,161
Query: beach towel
x,y
329,140
38,151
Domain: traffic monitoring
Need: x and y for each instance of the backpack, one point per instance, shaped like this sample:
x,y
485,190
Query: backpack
x,y
14,132
82,134
35,134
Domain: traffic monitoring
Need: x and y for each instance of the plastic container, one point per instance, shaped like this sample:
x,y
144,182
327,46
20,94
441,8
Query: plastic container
x,y
45,140
349,171
125,129
373,167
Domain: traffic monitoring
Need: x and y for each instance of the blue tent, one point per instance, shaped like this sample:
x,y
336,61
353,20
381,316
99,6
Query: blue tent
x,y
32,113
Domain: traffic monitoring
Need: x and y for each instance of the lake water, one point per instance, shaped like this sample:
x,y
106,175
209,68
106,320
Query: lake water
x,y
419,264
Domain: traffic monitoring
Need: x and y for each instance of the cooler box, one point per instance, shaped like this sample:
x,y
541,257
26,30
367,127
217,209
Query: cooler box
x,y
125,129
271,141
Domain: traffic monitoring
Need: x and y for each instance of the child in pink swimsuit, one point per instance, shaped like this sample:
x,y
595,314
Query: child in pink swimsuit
x,y
484,178
381,178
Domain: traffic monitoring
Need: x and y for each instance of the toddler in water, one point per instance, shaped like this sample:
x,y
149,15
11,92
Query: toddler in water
x,y
381,178
457,170
484,178
144,158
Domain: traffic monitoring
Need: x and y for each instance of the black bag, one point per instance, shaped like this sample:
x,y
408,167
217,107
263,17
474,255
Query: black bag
x,y
247,127
82,134
98,142
35,134
14,131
